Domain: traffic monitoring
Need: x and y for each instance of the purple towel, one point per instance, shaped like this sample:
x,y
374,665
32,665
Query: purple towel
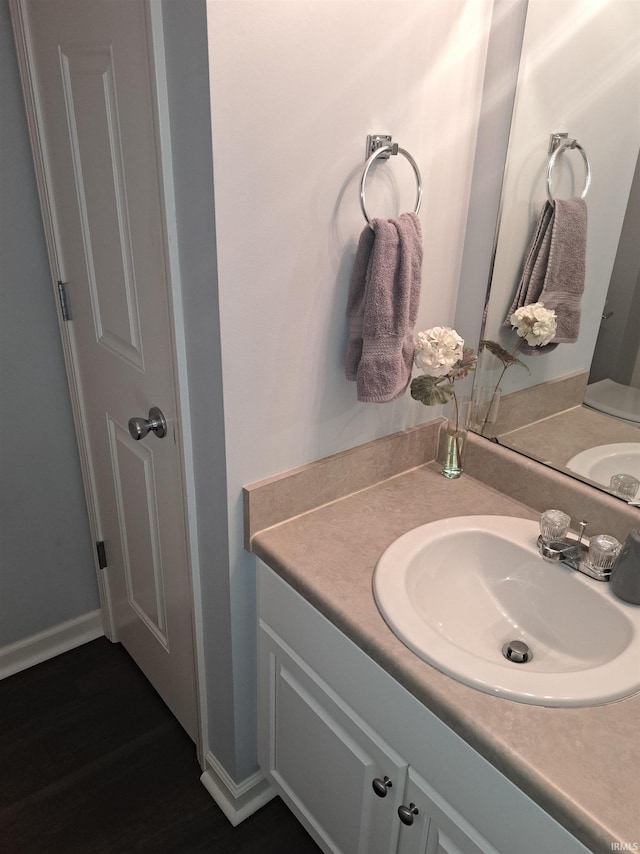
x,y
355,303
382,308
554,269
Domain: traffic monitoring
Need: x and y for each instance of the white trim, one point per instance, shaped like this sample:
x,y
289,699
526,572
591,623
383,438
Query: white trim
x,y
236,800
49,643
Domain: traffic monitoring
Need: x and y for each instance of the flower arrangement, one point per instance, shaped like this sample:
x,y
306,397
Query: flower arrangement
x,y
535,325
442,357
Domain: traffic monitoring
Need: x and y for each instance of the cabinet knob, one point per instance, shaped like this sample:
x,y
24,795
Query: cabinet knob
x,y
380,786
406,814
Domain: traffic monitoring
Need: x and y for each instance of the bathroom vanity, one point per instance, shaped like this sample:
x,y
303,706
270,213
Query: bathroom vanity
x,y
372,748
366,767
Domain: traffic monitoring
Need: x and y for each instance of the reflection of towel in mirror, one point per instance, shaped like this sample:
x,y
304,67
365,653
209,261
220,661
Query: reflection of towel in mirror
x,y
382,308
554,269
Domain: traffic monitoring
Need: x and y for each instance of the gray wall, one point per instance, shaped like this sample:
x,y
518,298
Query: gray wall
x,y
47,572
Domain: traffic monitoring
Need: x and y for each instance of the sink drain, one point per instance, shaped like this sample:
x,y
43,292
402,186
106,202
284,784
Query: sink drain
x,y
517,651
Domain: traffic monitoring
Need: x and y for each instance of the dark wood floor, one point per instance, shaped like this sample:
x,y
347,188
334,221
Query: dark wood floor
x,y
91,761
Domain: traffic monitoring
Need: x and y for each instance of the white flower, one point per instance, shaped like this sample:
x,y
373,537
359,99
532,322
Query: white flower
x,y
437,350
535,323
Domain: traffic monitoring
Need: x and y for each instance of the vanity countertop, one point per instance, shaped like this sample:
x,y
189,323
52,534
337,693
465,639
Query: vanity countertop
x,y
580,765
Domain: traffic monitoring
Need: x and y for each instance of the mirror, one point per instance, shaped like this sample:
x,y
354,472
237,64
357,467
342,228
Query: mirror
x,y
575,407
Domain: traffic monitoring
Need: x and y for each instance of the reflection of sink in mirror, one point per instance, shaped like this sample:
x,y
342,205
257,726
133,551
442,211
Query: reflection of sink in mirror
x,y
459,590
620,401
601,463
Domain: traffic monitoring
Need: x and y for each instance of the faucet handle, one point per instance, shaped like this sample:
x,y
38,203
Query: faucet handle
x,y
554,525
603,551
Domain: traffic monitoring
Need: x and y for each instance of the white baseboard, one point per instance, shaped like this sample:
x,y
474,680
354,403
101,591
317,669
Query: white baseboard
x,y
49,643
236,800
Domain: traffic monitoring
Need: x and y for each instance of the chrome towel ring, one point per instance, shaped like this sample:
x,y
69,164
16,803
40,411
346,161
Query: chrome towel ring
x,y
383,147
557,144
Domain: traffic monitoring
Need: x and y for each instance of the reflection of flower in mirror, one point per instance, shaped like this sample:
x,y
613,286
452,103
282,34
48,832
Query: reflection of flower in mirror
x,y
503,355
534,324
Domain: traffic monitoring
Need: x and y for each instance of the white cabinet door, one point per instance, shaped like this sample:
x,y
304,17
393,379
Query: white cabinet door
x,y
437,828
322,759
415,838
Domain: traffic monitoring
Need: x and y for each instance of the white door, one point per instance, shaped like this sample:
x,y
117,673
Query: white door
x,y
92,75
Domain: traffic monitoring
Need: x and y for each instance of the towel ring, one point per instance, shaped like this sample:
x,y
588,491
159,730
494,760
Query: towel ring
x,y
386,150
570,143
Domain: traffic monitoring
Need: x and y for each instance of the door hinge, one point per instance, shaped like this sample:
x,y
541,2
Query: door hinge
x,y
102,554
63,295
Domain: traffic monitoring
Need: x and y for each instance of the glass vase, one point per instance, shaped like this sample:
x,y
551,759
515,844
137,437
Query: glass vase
x,y
484,410
453,437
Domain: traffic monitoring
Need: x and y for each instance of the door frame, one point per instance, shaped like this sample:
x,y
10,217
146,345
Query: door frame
x,y
26,64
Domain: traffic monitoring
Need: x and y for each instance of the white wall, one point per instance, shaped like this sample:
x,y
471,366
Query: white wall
x,y
47,573
295,88
579,74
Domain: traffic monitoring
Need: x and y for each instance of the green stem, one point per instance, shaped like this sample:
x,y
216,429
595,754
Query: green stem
x,y
455,403
457,431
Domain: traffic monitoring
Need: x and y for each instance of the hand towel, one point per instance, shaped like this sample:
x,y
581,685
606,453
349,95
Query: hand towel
x,y
554,269
535,265
355,303
382,308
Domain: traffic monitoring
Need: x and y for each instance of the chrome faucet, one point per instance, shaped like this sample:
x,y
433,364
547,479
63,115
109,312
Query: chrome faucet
x,y
572,553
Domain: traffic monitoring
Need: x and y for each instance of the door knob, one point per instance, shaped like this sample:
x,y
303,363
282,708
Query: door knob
x,y
406,814
156,423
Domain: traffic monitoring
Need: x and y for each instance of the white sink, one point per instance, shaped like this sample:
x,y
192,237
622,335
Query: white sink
x,y
457,590
601,463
